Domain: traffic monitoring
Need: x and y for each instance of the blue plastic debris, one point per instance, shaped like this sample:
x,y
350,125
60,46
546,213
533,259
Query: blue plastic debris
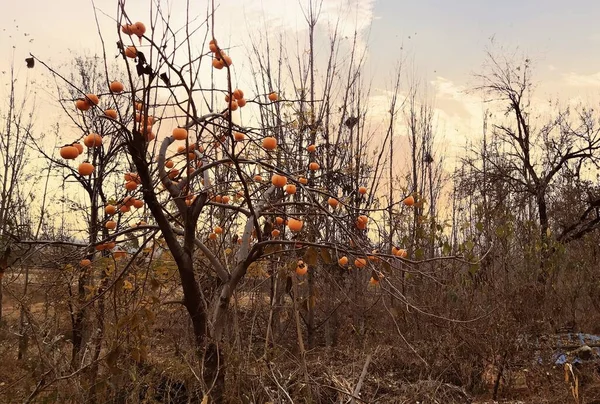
x,y
561,356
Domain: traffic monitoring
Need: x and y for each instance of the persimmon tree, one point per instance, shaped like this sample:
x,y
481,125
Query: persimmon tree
x,y
324,125
92,174
329,122
220,194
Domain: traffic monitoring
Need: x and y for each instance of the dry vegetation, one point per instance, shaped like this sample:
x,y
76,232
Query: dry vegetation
x,y
259,245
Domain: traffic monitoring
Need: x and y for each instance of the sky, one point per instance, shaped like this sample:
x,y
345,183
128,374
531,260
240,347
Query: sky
x,y
442,42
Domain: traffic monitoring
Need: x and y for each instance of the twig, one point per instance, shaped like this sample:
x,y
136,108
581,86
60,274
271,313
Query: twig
x,y
361,379
38,387
301,342
344,392
279,385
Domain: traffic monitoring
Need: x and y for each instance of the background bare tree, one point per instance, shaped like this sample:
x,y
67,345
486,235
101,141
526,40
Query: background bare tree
x,y
16,123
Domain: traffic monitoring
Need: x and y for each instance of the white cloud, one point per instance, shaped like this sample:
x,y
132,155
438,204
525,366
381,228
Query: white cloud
x,y
460,113
279,15
351,14
582,80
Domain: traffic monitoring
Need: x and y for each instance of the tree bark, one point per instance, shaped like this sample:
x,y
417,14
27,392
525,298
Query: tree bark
x,y
182,255
214,372
78,319
1,274
3,268
544,239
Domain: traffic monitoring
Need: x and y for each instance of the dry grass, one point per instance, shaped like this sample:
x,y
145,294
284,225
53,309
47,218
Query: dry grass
x,y
444,364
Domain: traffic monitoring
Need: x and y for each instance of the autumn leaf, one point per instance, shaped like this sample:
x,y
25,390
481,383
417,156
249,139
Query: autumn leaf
x,y
310,256
111,360
326,256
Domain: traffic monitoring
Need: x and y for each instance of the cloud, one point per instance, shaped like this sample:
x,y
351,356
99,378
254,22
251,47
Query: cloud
x,y
278,15
457,114
460,113
350,14
582,80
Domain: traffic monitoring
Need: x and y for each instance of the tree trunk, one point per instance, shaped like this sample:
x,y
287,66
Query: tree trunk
x,y
311,311
213,359
214,373
78,322
23,328
1,274
544,239
77,326
93,373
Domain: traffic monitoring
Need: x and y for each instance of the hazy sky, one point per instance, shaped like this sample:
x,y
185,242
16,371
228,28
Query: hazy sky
x,y
443,40
449,36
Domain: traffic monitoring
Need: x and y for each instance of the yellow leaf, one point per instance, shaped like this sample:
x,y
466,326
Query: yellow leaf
x,y
127,285
110,268
161,270
135,354
310,256
326,256
257,270
90,291
112,360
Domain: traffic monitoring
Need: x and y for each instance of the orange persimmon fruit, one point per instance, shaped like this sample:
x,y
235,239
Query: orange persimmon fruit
x,y
85,168
269,143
